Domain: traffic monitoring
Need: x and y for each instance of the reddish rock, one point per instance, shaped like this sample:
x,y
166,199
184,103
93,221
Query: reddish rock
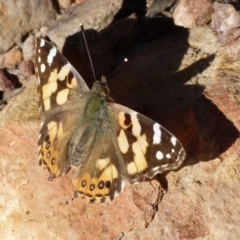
x,y
189,13
13,58
20,18
26,68
226,21
79,1
5,82
182,79
65,3
27,48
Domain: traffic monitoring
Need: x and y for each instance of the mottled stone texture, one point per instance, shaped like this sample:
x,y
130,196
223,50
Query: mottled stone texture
x,y
24,15
184,79
190,13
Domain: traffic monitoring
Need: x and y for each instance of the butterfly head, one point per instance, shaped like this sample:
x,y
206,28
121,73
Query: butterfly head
x,y
101,88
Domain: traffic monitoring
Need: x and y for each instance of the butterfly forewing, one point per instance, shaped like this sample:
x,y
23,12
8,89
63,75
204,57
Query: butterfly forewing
x,y
61,91
58,81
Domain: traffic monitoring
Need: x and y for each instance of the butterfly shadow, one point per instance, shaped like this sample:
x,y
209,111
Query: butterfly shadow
x,y
151,82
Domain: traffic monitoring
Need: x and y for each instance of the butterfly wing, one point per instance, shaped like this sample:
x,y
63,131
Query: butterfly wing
x,y
127,147
146,147
61,91
101,176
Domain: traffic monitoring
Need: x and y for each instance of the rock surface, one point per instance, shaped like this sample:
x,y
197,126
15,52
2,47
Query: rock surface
x,y
24,15
190,13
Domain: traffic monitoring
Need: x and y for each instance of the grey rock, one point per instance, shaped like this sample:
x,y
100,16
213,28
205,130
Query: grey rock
x,y
92,14
24,15
158,6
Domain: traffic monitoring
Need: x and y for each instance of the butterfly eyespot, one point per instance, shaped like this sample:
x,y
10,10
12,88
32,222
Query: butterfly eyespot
x,y
47,138
108,184
48,145
101,185
84,183
92,187
53,161
48,154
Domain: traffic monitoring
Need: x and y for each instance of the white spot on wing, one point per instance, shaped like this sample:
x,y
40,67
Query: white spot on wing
x,y
155,168
173,141
39,59
159,155
42,68
51,55
168,155
42,43
164,166
157,133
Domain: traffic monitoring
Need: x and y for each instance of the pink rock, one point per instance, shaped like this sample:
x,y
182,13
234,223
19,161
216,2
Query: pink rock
x,y
13,58
189,13
226,22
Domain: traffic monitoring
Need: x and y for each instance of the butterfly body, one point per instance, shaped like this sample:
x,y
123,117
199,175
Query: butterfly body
x,y
108,144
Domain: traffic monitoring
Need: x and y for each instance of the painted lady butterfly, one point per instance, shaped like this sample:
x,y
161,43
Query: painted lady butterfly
x,y
109,144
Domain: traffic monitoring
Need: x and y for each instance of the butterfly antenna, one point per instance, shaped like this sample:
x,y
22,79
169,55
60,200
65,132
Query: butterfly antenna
x,y
89,56
124,61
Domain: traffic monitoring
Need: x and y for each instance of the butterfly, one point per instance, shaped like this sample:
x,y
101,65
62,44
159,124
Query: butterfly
x,y
108,144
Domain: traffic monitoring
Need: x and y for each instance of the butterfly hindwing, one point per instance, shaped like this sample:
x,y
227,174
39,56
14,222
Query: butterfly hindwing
x,y
101,177
60,88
